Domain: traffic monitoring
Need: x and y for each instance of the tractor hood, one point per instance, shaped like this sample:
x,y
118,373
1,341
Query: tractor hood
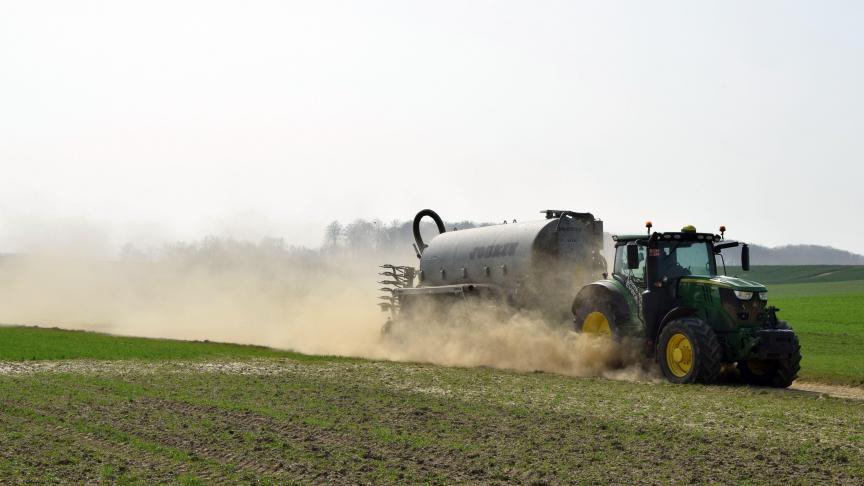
x,y
723,281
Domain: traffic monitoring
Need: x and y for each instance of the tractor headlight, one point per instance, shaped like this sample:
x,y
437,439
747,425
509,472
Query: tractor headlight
x,y
763,295
743,295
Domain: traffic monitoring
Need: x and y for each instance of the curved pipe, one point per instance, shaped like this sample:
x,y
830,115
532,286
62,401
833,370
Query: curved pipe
x,y
416,227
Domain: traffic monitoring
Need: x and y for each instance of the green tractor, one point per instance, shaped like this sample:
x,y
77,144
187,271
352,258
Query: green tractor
x,y
665,289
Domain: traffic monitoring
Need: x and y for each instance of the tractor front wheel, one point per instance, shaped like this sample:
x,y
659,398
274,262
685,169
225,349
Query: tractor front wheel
x,y
688,351
777,373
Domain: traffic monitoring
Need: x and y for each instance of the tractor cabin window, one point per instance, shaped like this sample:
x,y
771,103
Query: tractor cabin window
x,y
620,269
682,258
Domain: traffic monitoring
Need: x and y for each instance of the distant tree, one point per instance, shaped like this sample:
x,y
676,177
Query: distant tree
x,y
360,235
332,235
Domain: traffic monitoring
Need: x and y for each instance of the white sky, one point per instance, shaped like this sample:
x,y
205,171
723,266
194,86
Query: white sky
x,y
141,121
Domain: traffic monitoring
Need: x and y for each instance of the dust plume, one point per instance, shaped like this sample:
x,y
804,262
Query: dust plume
x,y
482,334
315,302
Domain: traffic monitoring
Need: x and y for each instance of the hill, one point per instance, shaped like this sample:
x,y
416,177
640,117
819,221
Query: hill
x,y
798,255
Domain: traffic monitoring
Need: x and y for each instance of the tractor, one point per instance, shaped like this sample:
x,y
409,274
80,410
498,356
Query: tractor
x,y
665,289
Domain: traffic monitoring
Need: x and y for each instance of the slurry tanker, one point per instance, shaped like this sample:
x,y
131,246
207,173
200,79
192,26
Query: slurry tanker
x,y
664,290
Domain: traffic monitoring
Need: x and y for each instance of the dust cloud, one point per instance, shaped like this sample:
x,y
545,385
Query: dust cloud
x,y
478,335
303,300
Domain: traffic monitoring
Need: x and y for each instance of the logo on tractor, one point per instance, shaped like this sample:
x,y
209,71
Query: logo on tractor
x,y
635,292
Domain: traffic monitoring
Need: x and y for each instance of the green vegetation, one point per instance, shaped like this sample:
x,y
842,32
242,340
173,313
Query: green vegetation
x,y
33,343
277,421
851,287
783,274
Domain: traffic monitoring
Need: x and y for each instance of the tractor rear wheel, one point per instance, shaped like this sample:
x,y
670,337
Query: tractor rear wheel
x,y
596,320
777,373
689,352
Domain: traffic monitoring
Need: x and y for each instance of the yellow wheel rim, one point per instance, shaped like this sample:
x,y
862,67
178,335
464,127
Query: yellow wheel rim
x,y
679,355
597,324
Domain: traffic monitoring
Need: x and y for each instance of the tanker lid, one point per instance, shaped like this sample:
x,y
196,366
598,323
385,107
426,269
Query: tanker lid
x,y
556,213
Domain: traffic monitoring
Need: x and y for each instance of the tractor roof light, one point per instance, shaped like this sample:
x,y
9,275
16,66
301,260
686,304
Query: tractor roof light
x,y
648,226
722,231
688,229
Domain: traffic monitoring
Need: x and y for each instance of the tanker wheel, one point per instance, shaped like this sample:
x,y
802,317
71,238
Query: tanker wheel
x,y
597,320
777,373
688,351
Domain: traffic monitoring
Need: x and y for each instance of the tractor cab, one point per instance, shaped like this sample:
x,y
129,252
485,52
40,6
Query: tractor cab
x,y
657,259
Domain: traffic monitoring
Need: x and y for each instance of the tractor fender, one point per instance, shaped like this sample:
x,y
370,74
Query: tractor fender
x,y
608,291
674,313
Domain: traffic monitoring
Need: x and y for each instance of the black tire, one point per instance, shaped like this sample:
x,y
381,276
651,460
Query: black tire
x,y
705,360
777,373
604,308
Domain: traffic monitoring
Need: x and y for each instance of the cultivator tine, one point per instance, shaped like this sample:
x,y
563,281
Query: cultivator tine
x,y
400,276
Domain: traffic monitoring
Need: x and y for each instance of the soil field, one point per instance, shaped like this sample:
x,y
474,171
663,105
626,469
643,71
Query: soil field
x,y
278,420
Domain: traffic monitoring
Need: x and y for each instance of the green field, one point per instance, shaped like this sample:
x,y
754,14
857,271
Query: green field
x,y
784,274
33,343
278,420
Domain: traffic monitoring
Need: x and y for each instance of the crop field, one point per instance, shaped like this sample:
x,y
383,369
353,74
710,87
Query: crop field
x,y
301,419
814,274
79,407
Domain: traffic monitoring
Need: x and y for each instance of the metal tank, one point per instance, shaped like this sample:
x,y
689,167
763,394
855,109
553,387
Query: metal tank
x,y
536,264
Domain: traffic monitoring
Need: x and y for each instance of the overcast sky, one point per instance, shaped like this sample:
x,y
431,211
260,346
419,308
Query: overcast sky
x,y
142,121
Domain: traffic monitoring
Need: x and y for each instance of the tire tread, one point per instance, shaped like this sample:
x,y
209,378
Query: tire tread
x,y
708,352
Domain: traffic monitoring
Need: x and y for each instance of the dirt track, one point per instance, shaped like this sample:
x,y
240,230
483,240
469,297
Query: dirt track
x,y
838,391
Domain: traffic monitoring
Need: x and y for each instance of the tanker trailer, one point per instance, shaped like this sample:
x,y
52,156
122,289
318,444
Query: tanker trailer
x,y
536,265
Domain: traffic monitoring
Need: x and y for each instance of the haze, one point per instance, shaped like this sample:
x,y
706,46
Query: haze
x,y
151,121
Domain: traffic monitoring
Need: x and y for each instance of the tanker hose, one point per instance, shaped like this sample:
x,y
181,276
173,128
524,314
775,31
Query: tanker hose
x,y
417,237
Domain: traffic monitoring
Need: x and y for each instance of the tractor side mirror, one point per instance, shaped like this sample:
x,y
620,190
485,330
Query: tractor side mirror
x,y
745,258
632,256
